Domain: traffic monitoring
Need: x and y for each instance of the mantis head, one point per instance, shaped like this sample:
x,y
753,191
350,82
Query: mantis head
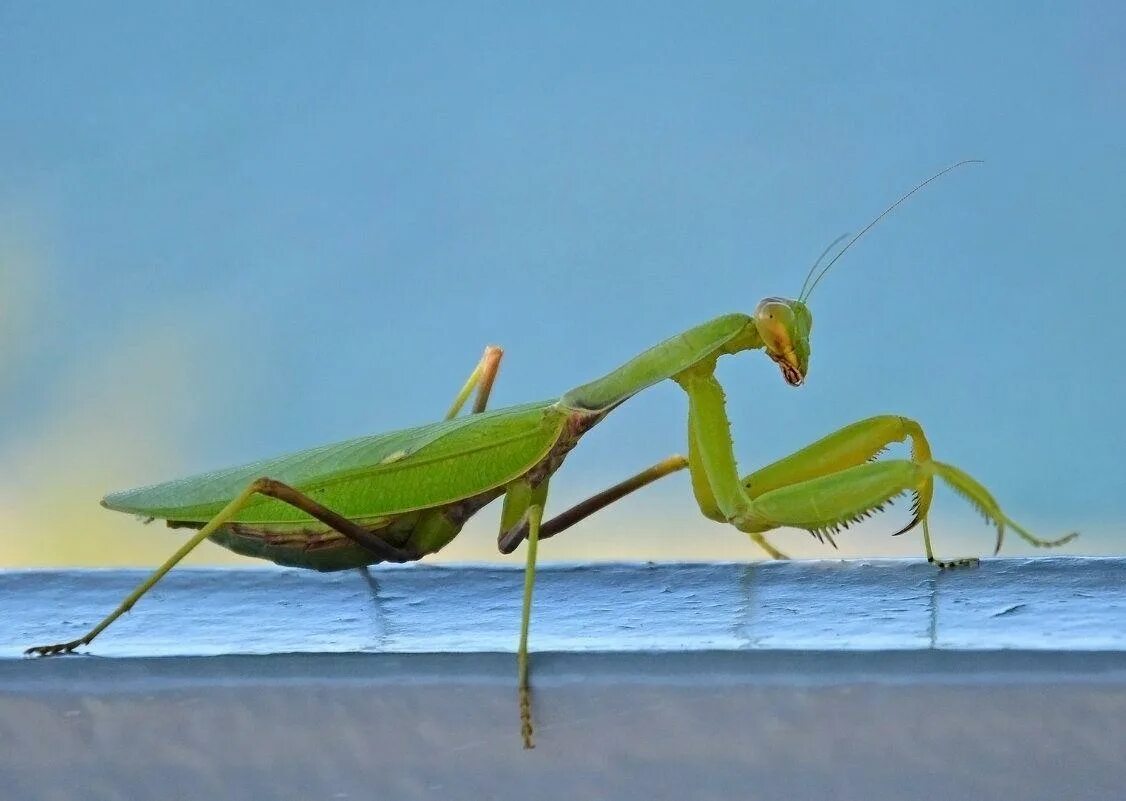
x,y
784,327
784,324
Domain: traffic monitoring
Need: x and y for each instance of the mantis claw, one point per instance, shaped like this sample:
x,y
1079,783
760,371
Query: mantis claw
x,y
54,650
954,564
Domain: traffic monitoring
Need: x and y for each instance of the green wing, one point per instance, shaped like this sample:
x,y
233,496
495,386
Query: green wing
x,y
370,477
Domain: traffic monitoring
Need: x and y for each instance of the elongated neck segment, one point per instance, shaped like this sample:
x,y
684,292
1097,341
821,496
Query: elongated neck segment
x,y
730,333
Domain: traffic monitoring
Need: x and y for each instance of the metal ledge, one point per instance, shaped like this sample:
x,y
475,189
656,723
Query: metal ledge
x,y
1053,604
875,680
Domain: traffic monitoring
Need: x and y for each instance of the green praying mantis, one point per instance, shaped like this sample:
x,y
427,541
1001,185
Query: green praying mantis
x,y
399,496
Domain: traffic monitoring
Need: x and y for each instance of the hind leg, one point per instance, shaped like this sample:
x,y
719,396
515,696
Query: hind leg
x,y
262,486
481,379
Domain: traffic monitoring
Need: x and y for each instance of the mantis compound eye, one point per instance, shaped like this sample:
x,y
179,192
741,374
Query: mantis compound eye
x,y
775,322
784,326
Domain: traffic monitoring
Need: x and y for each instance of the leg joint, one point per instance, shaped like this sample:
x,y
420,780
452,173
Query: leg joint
x,y
269,486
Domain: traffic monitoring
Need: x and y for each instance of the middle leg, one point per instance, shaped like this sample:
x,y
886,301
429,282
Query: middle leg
x,y
513,534
523,508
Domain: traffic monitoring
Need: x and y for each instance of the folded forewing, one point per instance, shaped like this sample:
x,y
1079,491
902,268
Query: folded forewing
x,y
370,476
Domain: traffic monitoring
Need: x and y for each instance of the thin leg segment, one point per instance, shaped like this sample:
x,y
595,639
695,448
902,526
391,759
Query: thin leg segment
x,y
523,507
515,532
262,486
490,365
482,379
761,541
981,499
535,515
950,564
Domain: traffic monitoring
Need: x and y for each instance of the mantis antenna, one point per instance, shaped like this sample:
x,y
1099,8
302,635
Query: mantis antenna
x,y
824,253
806,293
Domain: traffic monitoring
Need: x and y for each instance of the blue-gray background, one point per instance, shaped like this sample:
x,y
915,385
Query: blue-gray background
x,y
227,233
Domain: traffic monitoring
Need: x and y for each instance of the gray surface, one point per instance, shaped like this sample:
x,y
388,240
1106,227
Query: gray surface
x,y
707,725
866,680
861,604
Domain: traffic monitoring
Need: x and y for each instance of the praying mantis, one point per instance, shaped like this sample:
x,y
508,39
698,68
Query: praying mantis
x,y
399,496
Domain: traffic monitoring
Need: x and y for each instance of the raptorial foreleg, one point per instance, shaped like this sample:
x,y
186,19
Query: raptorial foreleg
x,y
825,486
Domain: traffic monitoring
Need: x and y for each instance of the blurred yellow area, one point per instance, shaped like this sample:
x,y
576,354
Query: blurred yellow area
x,y
111,422
113,425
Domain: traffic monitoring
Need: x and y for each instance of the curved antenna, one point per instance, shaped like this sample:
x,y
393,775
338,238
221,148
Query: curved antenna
x,y
824,253
882,214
